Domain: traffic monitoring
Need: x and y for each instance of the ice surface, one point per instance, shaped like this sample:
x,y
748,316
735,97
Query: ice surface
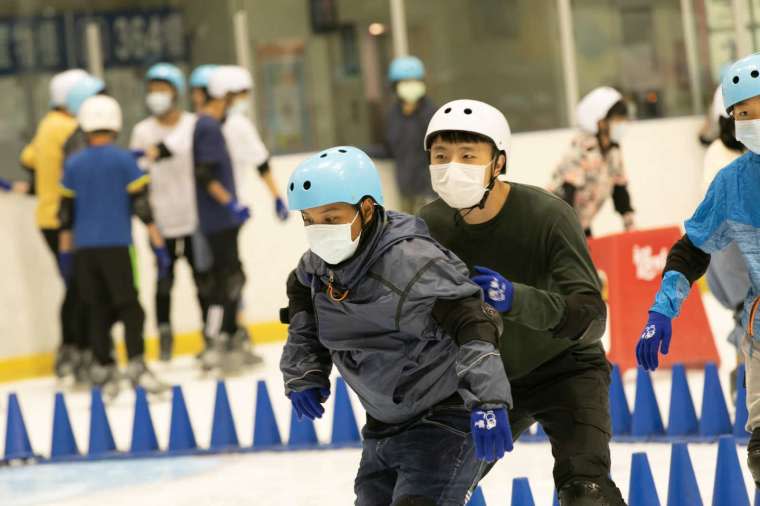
x,y
279,478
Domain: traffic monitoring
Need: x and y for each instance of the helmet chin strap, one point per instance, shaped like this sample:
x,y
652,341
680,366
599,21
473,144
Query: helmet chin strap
x,y
461,213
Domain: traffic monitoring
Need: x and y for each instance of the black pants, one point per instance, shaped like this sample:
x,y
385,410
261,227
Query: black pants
x,y
227,280
569,397
178,248
107,283
73,312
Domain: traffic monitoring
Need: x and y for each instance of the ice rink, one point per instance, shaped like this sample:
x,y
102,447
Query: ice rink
x,y
280,478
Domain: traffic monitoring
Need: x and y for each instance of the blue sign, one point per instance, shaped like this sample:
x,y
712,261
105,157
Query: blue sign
x,y
43,43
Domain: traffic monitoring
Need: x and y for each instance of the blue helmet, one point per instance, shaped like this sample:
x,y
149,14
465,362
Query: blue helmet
x,y
169,73
85,88
406,67
339,174
742,81
200,76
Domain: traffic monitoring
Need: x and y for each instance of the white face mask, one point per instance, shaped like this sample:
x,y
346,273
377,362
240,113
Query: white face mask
x,y
411,91
242,107
332,243
748,133
618,131
460,185
159,102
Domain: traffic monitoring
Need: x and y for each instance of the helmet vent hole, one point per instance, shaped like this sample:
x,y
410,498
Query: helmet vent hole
x,y
468,111
292,186
735,79
307,185
323,155
342,151
755,74
447,110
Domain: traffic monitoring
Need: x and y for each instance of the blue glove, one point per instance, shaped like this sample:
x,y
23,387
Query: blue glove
x,y
309,402
138,153
5,185
66,265
241,212
164,262
281,209
654,339
497,290
492,433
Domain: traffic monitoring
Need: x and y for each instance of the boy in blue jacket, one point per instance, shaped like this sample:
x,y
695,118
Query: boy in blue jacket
x,y
398,316
730,213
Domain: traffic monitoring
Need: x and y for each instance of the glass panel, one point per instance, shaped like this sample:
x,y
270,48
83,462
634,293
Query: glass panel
x,y
636,46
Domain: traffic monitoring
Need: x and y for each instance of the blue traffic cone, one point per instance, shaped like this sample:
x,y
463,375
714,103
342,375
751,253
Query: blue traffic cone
x,y
477,498
729,488
223,433
642,491
740,420
344,429
302,432
683,416
64,444
619,411
143,433
17,445
181,435
521,494
540,432
714,420
757,497
682,487
555,501
101,437
646,420
265,430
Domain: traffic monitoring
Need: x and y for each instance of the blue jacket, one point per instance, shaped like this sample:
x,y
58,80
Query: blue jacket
x,y
383,338
730,212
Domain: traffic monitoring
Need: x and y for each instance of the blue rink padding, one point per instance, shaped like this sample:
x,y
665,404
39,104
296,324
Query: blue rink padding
x,y
645,424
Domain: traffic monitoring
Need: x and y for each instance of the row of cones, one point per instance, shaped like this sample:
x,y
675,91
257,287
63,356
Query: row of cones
x,y
266,434
729,488
645,423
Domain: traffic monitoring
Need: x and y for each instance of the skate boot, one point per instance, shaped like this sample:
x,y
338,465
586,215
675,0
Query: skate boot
x,y
66,361
166,342
82,372
107,379
213,356
140,376
242,345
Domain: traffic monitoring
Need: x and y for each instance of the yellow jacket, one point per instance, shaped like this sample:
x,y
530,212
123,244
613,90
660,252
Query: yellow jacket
x,y
45,156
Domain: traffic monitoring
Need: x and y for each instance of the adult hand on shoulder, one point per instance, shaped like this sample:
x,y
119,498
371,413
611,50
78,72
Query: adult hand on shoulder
x,y
497,290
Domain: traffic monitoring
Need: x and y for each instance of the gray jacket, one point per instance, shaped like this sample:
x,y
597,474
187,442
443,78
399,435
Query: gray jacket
x,y
383,337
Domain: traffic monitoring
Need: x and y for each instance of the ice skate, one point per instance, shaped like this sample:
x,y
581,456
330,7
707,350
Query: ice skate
x,y
107,378
140,376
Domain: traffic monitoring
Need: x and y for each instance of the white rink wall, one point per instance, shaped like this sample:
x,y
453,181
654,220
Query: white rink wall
x,y
663,159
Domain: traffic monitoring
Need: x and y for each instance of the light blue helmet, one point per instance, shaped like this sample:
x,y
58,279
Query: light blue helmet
x,y
200,76
742,81
85,88
169,73
339,174
406,67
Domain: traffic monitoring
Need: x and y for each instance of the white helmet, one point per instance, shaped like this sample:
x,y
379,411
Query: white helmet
x,y
229,79
594,107
100,112
62,83
471,116
718,105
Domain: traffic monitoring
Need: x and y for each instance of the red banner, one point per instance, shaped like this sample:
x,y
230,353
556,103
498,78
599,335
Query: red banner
x,y
631,265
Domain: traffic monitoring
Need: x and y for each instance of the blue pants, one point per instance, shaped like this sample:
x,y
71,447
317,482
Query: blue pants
x,y
434,458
